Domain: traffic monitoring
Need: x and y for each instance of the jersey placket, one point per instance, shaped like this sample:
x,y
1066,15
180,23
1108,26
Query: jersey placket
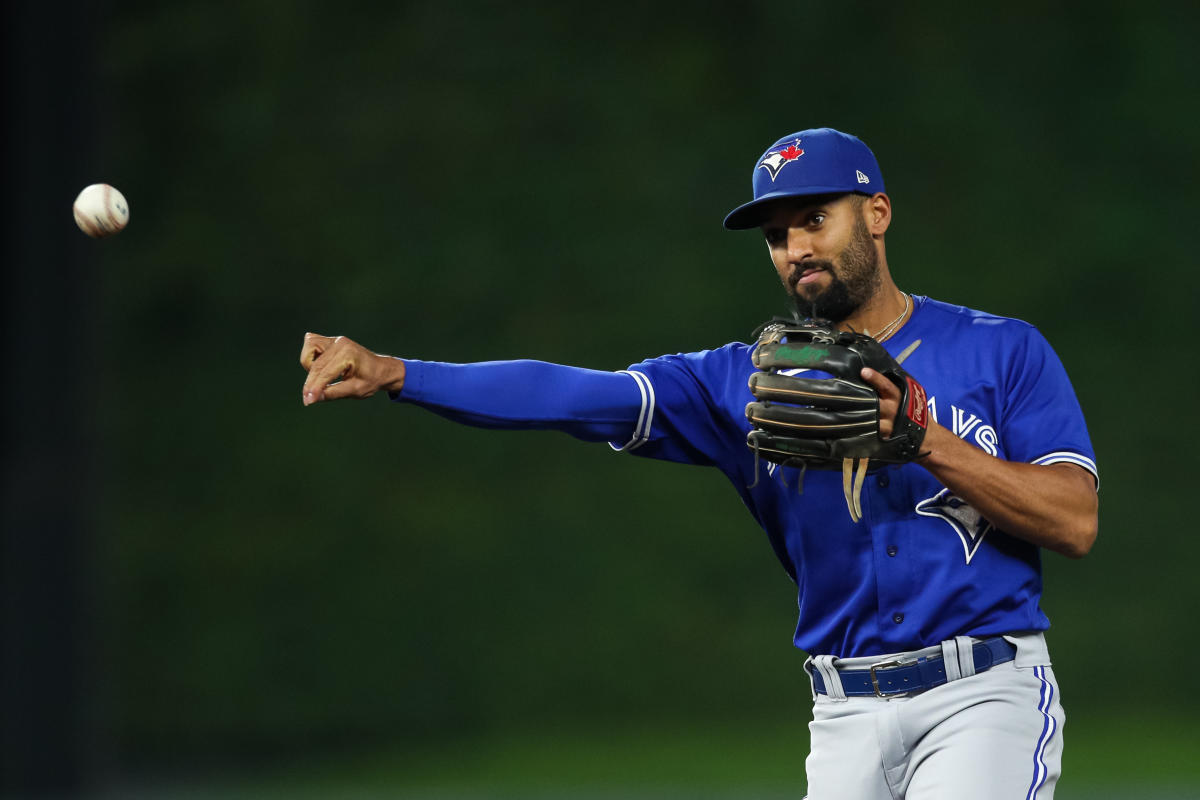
x,y
885,513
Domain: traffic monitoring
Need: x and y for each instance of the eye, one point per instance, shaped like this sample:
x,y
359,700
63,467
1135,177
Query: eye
x,y
774,235
816,219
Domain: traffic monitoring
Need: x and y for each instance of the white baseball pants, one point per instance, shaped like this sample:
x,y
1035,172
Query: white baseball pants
x,y
992,736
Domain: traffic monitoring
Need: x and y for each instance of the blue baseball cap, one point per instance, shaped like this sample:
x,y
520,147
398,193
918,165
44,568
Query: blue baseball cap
x,y
817,161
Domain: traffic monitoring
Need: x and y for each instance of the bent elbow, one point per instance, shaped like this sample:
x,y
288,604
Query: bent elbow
x,y
1080,539
1077,549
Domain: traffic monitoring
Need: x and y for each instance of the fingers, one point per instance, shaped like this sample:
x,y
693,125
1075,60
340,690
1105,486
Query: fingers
x,y
331,367
889,399
329,360
314,345
355,387
886,389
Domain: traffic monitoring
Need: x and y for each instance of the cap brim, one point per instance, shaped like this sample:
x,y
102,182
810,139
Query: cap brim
x,y
750,215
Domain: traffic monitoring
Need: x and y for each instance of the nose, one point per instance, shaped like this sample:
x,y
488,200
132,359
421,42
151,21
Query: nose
x,y
799,245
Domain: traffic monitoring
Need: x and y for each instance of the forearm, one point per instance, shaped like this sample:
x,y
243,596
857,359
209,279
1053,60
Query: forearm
x,y
589,404
1053,506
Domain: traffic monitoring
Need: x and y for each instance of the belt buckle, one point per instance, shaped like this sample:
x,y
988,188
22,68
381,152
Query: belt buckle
x,y
884,665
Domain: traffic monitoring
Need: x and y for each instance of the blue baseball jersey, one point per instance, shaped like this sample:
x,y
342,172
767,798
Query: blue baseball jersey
x,y
922,566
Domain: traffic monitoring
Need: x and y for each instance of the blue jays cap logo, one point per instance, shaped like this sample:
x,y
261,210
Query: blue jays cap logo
x,y
775,161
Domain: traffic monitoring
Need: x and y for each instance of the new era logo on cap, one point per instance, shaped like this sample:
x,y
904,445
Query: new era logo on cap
x,y
809,162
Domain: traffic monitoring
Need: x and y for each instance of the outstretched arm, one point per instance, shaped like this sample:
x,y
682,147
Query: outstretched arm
x,y
592,405
1053,505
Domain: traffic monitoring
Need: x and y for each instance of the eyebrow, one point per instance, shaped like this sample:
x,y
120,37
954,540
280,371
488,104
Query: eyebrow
x,y
803,211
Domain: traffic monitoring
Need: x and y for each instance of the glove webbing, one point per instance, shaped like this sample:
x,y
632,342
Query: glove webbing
x,y
855,475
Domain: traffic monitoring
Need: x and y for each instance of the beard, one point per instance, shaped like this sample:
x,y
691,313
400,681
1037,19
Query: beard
x,y
855,280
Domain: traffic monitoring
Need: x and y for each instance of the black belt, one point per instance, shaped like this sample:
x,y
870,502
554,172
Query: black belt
x,y
914,675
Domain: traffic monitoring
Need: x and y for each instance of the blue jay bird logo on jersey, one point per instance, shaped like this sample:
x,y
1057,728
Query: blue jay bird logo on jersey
x,y
776,161
968,523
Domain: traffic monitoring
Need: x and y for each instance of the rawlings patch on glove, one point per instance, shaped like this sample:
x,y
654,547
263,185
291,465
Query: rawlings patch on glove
x,y
830,423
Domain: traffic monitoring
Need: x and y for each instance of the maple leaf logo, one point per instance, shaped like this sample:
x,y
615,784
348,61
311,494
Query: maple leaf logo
x,y
776,161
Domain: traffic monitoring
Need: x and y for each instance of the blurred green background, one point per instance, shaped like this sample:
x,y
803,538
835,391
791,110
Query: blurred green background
x,y
364,599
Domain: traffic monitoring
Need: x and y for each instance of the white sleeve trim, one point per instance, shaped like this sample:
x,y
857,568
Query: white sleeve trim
x,y
641,431
1067,457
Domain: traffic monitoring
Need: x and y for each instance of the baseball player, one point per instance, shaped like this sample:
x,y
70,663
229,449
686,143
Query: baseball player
x,y
918,577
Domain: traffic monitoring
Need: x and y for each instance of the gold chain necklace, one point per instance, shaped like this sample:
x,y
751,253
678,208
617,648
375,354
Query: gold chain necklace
x,y
890,328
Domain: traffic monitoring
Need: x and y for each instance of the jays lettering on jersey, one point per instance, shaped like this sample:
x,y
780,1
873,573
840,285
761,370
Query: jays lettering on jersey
x,y
922,566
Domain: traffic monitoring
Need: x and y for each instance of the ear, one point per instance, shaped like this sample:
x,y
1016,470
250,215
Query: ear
x,y
877,213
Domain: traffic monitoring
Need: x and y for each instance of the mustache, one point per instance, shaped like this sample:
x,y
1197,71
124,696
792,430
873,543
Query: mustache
x,y
821,263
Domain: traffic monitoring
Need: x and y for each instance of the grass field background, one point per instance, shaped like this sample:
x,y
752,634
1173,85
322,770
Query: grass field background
x,y
1105,759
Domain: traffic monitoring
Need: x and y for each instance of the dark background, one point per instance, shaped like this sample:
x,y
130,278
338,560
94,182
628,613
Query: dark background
x,y
204,580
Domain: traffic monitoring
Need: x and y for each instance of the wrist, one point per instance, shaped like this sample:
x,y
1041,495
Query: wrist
x,y
933,448
393,374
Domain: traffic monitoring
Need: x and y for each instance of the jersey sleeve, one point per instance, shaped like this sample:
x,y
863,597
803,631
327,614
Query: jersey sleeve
x,y
1042,421
692,407
592,405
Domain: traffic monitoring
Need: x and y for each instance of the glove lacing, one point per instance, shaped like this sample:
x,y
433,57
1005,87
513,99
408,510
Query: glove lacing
x,y
854,476
782,477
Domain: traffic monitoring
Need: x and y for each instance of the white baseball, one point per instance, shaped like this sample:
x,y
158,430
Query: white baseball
x,y
100,210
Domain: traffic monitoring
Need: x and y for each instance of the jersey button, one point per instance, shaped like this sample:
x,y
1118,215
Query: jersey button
x,y
892,550
882,480
897,618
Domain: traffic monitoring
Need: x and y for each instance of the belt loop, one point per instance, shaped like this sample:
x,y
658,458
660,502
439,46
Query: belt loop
x,y
833,681
808,670
966,655
950,660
